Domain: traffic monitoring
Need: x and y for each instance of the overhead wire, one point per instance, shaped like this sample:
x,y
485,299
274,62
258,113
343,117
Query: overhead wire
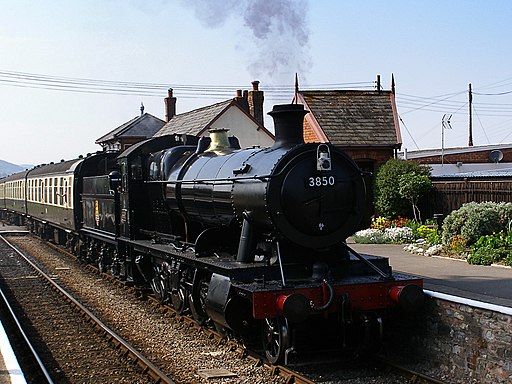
x,y
481,125
85,85
407,103
407,129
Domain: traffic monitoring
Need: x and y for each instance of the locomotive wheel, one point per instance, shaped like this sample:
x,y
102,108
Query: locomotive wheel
x,y
198,299
276,339
178,299
158,287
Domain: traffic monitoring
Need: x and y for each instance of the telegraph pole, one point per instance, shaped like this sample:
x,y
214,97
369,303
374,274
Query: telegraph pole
x,y
470,142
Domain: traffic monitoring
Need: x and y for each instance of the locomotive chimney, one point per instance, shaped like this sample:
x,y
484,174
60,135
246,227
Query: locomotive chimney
x,y
170,105
288,124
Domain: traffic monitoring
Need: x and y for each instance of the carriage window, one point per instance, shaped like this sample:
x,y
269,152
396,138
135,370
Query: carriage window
x,y
44,191
70,193
62,197
50,191
55,191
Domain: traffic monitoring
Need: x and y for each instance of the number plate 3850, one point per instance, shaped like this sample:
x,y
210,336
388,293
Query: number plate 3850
x,y
320,181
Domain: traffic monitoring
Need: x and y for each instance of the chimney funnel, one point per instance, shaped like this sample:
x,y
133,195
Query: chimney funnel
x,y
241,99
288,124
170,105
255,101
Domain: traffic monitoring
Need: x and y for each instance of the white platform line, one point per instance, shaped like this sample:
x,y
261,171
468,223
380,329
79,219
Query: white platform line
x,y
11,363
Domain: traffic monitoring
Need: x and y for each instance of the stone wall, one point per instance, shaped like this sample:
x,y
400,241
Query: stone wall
x,y
458,341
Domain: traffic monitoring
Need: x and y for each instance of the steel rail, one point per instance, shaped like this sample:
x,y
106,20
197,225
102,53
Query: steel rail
x,y
148,367
414,375
19,329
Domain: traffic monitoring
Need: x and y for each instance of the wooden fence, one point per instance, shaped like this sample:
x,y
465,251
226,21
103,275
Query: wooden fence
x,y
449,195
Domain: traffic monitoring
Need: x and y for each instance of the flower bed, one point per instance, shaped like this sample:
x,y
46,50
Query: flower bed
x,y
393,235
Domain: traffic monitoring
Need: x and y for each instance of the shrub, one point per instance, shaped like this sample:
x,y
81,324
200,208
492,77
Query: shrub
x,y
412,186
483,256
388,201
495,248
424,231
474,220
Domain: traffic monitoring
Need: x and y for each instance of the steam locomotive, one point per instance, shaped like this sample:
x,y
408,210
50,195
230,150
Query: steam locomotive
x,y
251,241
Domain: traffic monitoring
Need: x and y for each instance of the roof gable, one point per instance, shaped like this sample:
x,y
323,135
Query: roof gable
x,y
196,121
354,118
144,126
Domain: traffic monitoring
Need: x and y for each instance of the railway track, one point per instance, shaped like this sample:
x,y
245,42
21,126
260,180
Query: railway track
x,y
76,345
33,369
331,372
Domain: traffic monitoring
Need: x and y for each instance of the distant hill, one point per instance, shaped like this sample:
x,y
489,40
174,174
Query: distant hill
x,y
9,168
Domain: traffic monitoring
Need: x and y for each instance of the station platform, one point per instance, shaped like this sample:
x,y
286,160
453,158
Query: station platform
x,y
488,284
12,229
10,371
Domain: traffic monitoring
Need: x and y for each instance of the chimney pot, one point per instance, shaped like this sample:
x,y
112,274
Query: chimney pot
x,y
255,100
170,105
238,93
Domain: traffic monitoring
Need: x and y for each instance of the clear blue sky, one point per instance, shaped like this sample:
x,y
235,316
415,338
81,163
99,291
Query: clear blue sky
x,y
433,48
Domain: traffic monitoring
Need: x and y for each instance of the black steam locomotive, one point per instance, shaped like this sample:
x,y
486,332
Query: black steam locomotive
x,y
250,241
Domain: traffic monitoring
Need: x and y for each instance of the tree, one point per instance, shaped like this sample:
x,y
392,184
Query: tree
x,y
388,201
412,186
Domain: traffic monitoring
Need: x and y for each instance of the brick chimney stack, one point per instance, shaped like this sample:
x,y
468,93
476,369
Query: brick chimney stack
x,y
241,99
255,101
170,105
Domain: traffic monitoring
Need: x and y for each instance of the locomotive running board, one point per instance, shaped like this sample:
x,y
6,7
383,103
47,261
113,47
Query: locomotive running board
x,y
371,265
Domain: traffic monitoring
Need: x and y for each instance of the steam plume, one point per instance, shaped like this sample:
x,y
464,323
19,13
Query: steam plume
x,y
278,30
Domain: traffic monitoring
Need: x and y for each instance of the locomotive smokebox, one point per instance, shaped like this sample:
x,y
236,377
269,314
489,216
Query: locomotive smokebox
x,y
288,124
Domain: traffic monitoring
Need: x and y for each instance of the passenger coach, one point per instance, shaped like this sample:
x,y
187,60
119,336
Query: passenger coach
x,y
48,197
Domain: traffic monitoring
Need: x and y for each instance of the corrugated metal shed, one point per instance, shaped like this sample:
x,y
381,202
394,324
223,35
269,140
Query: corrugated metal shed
x,y
475,175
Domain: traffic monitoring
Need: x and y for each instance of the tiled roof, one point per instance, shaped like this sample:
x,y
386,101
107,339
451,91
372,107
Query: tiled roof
x,y
194,122
355,117
144,126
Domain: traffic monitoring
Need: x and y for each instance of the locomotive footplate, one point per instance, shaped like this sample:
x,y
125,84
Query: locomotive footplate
x,y
223,265
257,271
365,293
